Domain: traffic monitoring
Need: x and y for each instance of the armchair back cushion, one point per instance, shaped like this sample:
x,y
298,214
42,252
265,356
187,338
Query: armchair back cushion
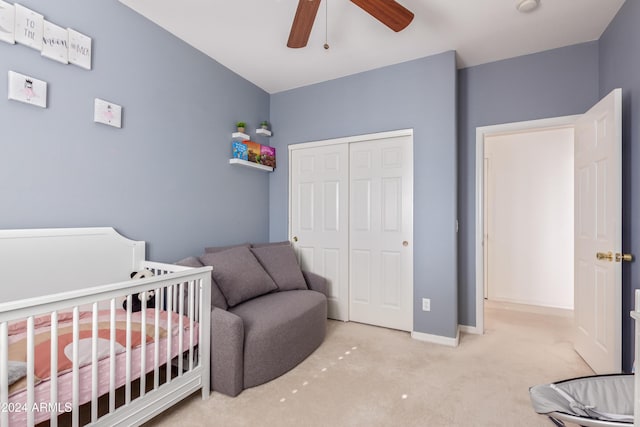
x,y
238,274
281,263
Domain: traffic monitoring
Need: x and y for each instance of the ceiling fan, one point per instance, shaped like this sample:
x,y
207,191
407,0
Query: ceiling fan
x,y
389,12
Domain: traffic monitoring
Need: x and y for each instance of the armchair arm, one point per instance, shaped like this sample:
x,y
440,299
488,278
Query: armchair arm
x,y
227,352
316,283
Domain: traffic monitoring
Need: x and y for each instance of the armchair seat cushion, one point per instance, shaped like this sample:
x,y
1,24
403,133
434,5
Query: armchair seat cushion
x,y
280,330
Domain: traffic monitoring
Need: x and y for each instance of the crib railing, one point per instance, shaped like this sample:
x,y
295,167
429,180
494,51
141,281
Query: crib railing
x,y
183,357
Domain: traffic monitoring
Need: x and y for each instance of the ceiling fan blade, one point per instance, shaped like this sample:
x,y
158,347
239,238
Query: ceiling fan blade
x,y
389,12
302,23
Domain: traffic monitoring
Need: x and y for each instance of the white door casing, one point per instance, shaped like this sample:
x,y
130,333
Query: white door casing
x,y
319,218
598,215
381,232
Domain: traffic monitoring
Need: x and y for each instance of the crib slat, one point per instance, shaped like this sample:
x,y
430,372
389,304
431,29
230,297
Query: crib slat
x,y
127,385
156,347
143,348
191,301
53,422
112,354
75,416
94,364
30,374
169,333
4,381
180,327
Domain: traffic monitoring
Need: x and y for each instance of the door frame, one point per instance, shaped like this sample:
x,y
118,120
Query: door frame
x,y
481,134
349,140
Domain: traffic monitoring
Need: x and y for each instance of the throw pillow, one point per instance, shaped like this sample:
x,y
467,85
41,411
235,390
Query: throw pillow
x,y
281,263
238,274
217,299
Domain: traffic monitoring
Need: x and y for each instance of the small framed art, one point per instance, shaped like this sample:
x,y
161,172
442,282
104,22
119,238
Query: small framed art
x,y
107,113
27,89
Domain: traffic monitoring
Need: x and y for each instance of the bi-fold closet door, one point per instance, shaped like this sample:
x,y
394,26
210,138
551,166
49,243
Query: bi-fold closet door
x,y
351,221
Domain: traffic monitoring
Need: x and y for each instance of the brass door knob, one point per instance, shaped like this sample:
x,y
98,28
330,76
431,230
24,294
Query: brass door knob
x,y
624,257
602,256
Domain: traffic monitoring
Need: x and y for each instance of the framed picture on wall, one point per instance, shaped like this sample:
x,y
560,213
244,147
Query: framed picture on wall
x,y
79,49
7,22
55,42
28,27
27,89
107,113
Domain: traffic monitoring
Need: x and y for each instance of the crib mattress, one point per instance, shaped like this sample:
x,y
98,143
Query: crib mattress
x,y
42,390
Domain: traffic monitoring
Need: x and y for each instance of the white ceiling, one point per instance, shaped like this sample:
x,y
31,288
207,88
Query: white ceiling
x,y
250,36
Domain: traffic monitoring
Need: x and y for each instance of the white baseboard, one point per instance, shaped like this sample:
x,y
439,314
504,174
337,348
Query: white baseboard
x,y
437,339
470,329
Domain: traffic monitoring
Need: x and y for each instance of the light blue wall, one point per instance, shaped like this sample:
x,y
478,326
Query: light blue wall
x,y
620,67
554,83
419,94
164,177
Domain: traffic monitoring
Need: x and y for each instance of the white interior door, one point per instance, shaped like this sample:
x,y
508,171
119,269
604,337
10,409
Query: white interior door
x,y
598,213
319,218
381,232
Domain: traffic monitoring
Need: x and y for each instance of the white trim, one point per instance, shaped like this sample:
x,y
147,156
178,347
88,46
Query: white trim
x,y
350,139
481,134
437,339
469,329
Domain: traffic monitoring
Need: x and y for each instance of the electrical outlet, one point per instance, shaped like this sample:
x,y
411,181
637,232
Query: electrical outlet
x,y
426,304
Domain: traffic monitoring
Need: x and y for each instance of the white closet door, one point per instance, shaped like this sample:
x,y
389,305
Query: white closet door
x,y
319,218
381,232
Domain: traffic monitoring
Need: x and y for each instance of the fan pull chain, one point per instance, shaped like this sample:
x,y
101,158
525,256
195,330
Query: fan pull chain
x,y
326,23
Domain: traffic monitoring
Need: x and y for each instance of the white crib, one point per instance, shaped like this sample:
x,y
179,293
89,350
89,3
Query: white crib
x,y
85,359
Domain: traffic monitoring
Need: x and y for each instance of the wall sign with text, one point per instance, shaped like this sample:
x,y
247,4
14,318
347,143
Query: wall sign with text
x,y
23,25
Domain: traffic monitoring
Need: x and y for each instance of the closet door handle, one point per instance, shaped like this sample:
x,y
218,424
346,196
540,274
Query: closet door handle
x,y
405,243
295,238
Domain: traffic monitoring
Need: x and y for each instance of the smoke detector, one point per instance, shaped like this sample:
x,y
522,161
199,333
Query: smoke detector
x,y
526,6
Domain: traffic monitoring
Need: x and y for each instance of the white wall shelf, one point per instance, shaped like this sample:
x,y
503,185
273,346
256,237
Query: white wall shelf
x,y
246,163
263,132
239,136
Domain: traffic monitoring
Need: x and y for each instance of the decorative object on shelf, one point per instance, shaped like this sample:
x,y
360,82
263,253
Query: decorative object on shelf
x,y
107,113
7,22
264,124
268,155
241,126
55,42
253,152
239,150
27,89
79,49
28,27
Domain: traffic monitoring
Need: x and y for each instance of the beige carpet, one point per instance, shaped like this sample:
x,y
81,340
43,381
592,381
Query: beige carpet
x,y
368,376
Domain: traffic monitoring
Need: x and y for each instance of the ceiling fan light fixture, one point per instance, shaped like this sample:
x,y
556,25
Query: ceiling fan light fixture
x,y
526,6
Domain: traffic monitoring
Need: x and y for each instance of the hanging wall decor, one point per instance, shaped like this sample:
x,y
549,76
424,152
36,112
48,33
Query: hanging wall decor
x,y
7,22
107,113
55,42
27,89
28,27
23,25
79,49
